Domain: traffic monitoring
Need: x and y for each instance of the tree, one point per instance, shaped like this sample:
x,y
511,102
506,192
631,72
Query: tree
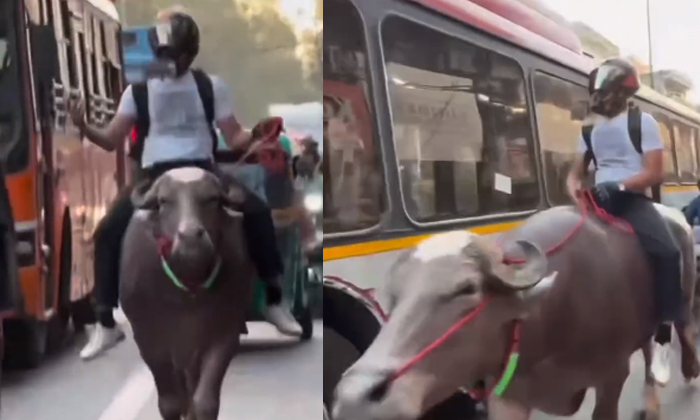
x,y
250,45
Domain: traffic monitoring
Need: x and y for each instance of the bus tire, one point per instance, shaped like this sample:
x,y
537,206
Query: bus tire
x,y
58,325
25,341
349,327
307,324
350,324
83,313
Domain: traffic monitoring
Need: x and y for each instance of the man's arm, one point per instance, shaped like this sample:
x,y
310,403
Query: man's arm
x,y
653,148
113,135
234,135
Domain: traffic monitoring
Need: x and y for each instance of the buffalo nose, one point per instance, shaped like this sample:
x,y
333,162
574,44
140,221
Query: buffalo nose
x,y
190,231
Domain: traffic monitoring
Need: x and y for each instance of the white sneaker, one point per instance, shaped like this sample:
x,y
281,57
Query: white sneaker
x,y
101,340
282,318
661,363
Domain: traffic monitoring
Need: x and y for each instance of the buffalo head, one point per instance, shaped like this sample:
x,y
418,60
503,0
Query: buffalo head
x,y
187,210
431,288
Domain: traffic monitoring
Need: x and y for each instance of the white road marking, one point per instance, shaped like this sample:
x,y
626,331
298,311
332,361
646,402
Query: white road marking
x,y
131,402
132,397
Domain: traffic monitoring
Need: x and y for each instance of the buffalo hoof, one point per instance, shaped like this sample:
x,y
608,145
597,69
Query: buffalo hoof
x,y
646,415
690,367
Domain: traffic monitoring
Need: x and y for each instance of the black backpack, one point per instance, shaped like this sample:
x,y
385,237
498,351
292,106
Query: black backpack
x,y
143,117
634,128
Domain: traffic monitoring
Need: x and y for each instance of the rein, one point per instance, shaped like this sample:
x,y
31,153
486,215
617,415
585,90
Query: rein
x,y
588,206
164,246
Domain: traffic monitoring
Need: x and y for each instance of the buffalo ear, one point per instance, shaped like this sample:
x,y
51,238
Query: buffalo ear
x,y
144,196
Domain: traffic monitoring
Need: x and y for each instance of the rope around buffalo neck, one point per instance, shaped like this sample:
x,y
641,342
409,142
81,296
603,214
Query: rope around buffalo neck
x,y
180,285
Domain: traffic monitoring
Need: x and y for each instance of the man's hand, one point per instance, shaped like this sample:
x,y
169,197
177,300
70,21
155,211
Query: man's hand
x,y
76,110
573,187
604,193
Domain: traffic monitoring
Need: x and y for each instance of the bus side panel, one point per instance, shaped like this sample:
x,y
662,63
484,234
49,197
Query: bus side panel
x,y
22,192
69,164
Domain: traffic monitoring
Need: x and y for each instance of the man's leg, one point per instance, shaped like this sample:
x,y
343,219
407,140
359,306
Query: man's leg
x,y
262,245
108,238
665,258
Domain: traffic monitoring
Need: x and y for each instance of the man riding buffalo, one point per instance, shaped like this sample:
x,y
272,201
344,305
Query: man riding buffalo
x,y
179,132
629,163
557,306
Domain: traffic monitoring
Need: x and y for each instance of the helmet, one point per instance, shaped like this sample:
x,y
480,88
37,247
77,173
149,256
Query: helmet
x,y
611,85
175,38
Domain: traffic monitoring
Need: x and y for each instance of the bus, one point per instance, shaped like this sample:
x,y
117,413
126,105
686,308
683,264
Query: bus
x,y
138,53
59,185
449,114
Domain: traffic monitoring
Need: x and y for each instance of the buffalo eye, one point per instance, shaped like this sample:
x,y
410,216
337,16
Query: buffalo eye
x,y
468,289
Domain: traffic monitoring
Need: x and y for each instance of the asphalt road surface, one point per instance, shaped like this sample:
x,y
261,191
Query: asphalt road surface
x,y
274,378
680,401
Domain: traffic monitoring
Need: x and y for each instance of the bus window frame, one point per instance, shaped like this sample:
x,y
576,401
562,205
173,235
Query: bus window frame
x,y
677,123
477,42
377,121
536,115
653,109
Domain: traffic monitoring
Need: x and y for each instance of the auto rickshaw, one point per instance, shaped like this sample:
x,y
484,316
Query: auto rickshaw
x,y
268,173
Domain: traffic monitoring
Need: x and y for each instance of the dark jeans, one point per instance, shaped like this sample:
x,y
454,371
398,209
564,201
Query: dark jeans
x,y
662,249
257,224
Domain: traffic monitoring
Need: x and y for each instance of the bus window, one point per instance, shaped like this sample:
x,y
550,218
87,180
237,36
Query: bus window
x,y
461,126
561,107
353,181
685,151
14,141
696,149
665,125
129,39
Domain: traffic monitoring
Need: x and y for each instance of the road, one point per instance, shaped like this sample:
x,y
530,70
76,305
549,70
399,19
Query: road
x,y
679,401
273,378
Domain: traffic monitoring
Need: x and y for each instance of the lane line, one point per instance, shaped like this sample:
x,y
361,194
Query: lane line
x,y
132,397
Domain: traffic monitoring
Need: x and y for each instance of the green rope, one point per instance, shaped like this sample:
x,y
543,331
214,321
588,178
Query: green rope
x,y
507,374
176,281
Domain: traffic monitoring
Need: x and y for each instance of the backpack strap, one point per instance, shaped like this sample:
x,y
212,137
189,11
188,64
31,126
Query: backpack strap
x,y
143,120
634,126
205,88
586,133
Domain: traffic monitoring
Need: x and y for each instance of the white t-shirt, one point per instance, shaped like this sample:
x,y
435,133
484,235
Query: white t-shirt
x,y
179,128
613,149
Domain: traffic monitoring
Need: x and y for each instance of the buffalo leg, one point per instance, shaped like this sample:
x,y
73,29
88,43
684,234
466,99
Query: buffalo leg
x,y
207,396
608,394
689,360
652,409
500,409
171,397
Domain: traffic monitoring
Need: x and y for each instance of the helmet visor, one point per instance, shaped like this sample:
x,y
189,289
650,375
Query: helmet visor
x,y
163,35
606,75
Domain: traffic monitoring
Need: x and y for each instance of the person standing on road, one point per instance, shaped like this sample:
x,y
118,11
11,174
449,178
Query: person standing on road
x,y
627,167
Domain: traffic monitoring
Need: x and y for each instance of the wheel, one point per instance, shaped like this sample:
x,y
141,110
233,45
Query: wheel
x,y
339,355
306,321
25,342
83,313
58,325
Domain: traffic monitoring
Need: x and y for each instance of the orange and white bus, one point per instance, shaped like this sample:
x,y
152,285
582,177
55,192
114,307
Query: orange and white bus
x,y
59,186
